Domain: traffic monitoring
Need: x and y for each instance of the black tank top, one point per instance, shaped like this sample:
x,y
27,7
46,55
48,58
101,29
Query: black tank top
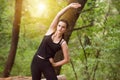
x,y
48,48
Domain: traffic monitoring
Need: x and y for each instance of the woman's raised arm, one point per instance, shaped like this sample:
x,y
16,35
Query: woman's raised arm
x,y
59,14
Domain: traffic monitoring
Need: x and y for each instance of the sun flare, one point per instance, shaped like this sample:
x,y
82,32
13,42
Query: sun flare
x,y
38,9
41,7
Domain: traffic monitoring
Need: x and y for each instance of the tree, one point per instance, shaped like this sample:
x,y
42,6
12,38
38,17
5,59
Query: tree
x,y
71,16
15,38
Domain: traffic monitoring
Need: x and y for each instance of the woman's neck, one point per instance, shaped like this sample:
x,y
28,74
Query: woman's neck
x,y
56,34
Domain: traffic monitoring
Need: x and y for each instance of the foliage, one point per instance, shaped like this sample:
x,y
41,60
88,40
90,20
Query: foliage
x,y
94,50
32,28
6,18
102,54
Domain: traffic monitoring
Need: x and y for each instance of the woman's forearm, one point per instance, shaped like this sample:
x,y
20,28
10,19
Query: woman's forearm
x,y
60,13
59,63
57,17
72,5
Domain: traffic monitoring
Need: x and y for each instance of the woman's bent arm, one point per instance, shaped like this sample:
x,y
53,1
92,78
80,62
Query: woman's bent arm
x,y
65,54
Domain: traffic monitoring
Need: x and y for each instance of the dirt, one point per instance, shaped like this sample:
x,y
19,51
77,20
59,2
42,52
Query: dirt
x,y
60,77
17,78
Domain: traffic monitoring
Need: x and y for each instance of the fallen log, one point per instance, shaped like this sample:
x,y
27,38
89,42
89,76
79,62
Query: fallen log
x,y
60,77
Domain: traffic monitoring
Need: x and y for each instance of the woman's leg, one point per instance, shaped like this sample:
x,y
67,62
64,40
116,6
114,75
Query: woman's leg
x,y
35,70
49,71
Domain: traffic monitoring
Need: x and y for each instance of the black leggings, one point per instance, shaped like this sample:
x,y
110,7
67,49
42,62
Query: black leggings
x,y
39,66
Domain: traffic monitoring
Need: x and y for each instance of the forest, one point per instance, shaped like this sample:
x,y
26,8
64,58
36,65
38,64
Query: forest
x,y
93,37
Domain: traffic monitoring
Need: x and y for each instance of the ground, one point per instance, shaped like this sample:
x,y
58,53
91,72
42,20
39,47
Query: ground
x,y
60,77
17,78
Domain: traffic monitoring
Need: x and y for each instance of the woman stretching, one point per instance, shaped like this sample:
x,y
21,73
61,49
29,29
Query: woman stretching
x,y
53,41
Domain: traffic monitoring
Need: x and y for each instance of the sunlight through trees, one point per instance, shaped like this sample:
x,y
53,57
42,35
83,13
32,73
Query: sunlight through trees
x,y
94,43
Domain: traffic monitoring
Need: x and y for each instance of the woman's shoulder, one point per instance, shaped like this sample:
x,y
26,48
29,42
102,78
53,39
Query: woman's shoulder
x,y
63,41
49,34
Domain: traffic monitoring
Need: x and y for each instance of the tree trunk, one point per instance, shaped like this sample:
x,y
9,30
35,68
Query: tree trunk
x,y
15,37
71,16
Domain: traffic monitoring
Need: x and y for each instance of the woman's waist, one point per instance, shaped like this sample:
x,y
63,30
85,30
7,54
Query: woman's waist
x,y
40,56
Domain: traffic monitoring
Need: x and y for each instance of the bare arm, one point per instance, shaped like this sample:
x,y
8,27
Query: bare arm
x,y
56,19
65,54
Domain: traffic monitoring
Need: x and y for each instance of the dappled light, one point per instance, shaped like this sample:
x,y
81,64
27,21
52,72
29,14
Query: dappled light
x,y
40,12
36,8
94,40
41,7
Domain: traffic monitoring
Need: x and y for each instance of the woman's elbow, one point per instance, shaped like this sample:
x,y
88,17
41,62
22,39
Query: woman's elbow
x,y
67,60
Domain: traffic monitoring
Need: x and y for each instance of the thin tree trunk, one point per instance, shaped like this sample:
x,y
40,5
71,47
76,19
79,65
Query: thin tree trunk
x,y
96,66
15,37
71,16
85,62
73,69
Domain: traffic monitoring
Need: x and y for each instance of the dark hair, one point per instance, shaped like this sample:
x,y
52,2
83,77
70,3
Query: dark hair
x,y
65,21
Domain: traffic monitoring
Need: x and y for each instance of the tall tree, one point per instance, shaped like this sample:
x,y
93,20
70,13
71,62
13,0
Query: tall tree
x,y
71,16
15,38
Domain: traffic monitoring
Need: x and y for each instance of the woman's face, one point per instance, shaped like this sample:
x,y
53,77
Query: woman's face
x,y
61,27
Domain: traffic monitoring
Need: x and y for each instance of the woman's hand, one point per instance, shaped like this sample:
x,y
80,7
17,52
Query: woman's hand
x,y
52,62
74,5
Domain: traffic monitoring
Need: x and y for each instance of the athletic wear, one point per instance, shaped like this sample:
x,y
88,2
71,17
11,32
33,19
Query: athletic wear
x,y
40,66
41,63
48,48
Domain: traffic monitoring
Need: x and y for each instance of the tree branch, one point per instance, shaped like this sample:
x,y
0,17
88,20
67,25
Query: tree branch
x,y
90,9
89,25
73,69
96,66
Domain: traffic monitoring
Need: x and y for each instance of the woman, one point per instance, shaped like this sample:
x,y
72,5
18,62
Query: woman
x,y
52,42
